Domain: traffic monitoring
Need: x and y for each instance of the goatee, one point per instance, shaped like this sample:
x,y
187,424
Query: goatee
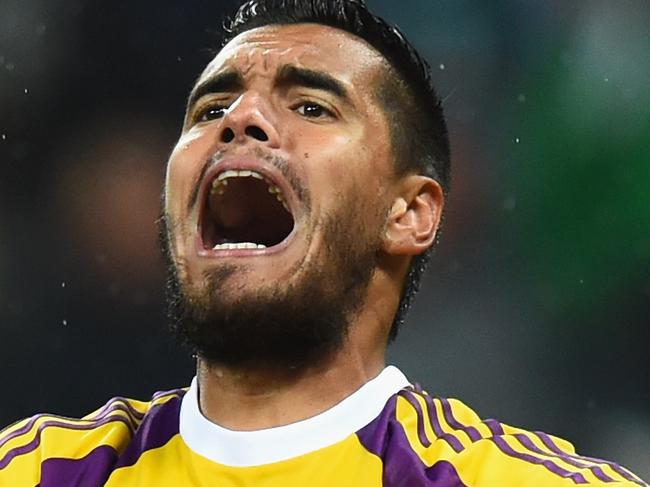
x,y
291,325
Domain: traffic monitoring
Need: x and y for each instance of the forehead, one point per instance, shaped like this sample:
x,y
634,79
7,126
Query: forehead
x,y
262,50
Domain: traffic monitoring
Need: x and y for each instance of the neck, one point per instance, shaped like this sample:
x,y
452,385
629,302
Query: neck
x,y
254,398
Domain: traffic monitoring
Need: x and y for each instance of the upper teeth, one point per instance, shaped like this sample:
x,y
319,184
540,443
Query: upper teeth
x,y
239,174
220,183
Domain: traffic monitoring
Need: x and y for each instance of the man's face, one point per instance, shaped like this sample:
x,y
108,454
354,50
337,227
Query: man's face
x,y
277,189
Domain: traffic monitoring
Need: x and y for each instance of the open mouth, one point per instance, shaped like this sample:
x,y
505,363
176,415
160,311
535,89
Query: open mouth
x,y
243,210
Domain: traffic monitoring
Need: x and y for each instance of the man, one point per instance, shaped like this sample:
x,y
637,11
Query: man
x,y
300,202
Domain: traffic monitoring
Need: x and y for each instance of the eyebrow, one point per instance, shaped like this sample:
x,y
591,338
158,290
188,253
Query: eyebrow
x,y
289,75
223,82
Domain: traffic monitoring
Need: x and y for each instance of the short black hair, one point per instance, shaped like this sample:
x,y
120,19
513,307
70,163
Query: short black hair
x,y
420,142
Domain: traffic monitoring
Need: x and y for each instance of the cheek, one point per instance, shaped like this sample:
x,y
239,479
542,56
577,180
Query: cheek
x,y
344,163
332,169
184,166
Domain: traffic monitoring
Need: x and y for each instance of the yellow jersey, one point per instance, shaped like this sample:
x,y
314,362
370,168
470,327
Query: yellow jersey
x,y
388,433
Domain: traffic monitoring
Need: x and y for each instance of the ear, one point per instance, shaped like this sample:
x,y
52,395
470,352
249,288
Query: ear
x,y
414,217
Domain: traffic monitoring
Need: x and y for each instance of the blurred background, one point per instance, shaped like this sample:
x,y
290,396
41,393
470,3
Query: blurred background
x,y
535,309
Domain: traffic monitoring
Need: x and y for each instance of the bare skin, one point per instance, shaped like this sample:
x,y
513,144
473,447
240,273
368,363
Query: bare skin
x,y
336,145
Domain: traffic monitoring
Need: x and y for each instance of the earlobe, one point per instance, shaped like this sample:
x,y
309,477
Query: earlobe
x,y
414,217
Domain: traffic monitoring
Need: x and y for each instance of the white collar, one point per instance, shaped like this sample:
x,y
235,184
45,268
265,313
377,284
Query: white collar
x,y
250,448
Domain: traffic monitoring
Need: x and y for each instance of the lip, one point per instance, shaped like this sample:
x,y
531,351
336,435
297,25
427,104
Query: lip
x,y
272,174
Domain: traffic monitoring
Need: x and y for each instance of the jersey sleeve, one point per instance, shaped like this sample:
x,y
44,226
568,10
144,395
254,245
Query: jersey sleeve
x,y
35,449
490,453
18,473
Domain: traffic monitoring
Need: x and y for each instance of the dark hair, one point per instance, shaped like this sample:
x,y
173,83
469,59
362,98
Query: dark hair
x,y
418,130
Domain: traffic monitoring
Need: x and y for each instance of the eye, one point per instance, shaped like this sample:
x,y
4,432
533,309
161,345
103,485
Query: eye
x,y
212,112
313,110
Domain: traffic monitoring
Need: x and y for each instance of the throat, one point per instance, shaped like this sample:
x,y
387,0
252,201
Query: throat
x,y
244,213
256,399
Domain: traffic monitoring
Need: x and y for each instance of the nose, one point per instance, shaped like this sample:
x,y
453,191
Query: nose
x,y
249,119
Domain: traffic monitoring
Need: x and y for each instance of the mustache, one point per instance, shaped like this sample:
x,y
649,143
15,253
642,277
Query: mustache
x,y
281,164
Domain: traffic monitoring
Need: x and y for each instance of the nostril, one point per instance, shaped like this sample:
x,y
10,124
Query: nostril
x,y
227,135
257,133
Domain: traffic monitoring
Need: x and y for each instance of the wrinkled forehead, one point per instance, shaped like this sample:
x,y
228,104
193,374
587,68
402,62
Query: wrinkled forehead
x,y
262,50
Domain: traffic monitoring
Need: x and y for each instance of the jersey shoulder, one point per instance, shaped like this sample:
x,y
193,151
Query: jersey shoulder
x,y
46,445
446,432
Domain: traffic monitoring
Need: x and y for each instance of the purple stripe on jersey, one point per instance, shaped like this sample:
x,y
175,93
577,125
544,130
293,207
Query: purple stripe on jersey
x,y
118,403
443,474
29,425
89,471
451,440
577,478
32,445
106,409
548,441
420,414
173,392
158,427
402,467
620,470
471,431
494,426
597,471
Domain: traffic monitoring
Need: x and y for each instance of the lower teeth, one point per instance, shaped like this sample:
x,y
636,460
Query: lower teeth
x,y
239,246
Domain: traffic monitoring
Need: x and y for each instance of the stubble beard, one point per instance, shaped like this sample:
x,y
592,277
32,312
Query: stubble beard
x,y
289,325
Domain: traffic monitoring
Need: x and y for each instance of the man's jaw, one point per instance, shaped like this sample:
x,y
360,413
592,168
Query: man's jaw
x,y
246,208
